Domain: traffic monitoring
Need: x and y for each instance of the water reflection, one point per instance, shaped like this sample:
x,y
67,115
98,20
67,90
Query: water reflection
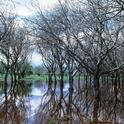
x,y
33,103
21,103
14,106
13,109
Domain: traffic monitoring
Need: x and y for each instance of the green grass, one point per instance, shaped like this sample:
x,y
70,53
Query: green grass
x,y
45,77
35,77
28,77
1,77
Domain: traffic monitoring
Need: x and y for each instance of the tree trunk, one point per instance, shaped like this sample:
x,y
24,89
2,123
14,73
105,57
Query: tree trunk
x,y
69,106
11,81
61,92
79,81
15,77
97,98
5,92
55,82
49,80
61,85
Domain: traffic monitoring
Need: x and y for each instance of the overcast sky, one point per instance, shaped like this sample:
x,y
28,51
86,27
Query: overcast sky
x,y
24,8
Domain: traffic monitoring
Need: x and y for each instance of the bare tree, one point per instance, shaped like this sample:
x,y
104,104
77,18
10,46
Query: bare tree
x,y
90,37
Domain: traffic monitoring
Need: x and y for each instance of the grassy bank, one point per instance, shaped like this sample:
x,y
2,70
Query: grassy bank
x,y
1,77
43,77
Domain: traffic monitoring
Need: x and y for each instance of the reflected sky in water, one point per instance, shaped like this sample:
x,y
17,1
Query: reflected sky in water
x,y
33,98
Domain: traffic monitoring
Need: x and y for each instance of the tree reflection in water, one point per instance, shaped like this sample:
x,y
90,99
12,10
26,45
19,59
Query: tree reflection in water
x,y
13,109
110,112
21,104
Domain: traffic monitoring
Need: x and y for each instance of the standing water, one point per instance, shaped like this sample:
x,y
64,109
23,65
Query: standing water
x,y
28,100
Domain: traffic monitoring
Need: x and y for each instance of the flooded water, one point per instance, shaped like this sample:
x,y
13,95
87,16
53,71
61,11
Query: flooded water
x,y
25,104
28,100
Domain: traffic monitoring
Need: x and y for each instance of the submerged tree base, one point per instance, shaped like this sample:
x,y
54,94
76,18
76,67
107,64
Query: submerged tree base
x,y
99,122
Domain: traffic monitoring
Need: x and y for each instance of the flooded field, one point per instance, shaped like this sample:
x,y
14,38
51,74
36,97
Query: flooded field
x,y
33,103
23,104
